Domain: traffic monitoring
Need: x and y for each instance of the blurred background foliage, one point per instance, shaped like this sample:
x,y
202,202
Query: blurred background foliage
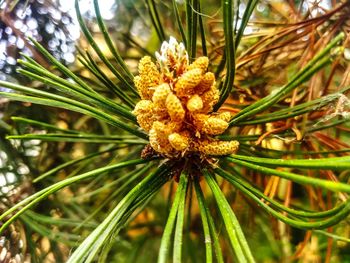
x,y
280,38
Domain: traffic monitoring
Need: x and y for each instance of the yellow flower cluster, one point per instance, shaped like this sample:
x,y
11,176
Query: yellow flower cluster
x,y
177,102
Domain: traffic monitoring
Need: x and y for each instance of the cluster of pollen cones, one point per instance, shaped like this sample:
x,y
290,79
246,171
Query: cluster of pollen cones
x,y
176,106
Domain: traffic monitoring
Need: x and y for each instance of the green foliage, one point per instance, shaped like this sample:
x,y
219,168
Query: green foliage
x,y
114,195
